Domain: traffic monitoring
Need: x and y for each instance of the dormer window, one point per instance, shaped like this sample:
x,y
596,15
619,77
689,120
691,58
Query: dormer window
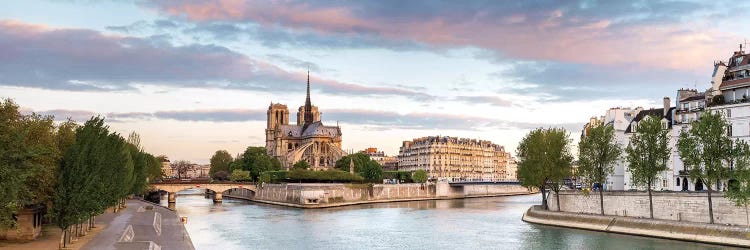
x,y
738,60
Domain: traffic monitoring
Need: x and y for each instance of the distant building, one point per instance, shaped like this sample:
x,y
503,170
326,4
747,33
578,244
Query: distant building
x,y
389,163
166,169
511,169
454,158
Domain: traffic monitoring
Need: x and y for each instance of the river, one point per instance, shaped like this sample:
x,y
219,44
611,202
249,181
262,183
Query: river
x,y
479,223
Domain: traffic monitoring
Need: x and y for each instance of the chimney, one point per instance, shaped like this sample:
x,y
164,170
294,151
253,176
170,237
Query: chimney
x,y
667,105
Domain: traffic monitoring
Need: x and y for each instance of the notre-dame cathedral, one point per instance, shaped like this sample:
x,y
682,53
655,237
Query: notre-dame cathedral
x,y
309,140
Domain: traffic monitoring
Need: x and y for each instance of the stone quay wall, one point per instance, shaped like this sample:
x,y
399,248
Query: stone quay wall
x,y
676,206
677,230
339,193
315,195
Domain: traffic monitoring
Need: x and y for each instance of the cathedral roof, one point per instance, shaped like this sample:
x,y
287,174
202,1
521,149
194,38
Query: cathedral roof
x,y
314,129
318,129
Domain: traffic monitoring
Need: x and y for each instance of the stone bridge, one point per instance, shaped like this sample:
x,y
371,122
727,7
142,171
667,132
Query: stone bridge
x,y
217,187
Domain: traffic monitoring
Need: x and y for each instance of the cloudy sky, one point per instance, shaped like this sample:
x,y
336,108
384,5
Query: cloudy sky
x,y
192,76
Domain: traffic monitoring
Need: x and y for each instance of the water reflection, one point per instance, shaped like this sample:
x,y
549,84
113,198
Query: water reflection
x,y
482,223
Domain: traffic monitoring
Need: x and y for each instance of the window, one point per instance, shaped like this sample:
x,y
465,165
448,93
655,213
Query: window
x,y
729,130
678,181
729,113
664,183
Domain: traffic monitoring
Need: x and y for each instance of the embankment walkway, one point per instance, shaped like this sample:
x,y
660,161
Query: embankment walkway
x,y
676,230
141,226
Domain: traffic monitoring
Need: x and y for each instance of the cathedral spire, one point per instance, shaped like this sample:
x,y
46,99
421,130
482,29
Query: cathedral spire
x,y
308,105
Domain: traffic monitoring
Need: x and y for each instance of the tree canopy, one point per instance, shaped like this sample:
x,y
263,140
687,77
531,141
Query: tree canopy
x,y
597,153
220,161
706,149
544,160
256,160
359,159
420,176
648,153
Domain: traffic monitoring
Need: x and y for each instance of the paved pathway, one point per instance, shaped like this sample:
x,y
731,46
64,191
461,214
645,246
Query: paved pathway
x,y
144,235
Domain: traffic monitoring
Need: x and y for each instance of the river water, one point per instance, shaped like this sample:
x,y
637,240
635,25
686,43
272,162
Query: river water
x,y
480,223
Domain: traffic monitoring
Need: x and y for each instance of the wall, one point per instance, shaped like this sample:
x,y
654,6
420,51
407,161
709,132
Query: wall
x,y
338,193
678,206
346,193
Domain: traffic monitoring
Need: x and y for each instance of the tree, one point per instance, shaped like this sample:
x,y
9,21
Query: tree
x,y
182,167
359,159
29,158
239,175
256,160
220,161
223,175
706,149
648,153
420,176
372,171
739,187
302,164
597,153
544,161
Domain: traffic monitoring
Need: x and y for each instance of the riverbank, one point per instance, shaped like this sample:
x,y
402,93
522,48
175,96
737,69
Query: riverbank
x,y
330,205
141,225
676,230
326,195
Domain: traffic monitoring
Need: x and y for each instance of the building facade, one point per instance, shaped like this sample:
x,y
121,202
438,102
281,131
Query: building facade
x,y
454,158
389,163
308,140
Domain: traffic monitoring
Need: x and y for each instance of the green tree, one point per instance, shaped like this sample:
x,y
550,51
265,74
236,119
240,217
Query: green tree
x,y
597,153
220,161
256,160
647,154
359,159
372,171
545,160
706,149
239,175
302,164
29,156
739,186
420,176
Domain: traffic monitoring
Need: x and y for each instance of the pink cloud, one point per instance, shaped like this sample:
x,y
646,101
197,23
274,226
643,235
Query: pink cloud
x,y
554,35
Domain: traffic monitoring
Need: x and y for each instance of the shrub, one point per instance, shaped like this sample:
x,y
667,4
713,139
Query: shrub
x,y
239,175
402,176
221,175
420,176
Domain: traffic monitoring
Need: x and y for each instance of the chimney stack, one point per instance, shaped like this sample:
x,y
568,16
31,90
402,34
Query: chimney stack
x,y
667,105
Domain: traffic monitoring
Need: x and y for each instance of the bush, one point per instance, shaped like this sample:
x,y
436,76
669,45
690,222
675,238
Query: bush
x,y
372,171
239,175
221,175
322,176
302,164
420,176
273,176
402,176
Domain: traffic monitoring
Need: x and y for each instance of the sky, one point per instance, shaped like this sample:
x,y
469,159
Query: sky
x,y
193,77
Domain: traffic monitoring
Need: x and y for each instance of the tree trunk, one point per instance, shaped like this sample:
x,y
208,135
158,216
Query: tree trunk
x,y
710,206
544,198
62,239
601,197
650,201
557,197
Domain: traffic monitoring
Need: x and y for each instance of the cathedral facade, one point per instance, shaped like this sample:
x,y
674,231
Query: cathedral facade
x,y
308,140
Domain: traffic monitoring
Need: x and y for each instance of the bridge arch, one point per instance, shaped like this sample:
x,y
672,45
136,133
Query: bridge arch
x,y
218,188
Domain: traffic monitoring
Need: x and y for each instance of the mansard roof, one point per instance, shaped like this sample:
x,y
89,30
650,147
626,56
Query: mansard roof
x,y
651,112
